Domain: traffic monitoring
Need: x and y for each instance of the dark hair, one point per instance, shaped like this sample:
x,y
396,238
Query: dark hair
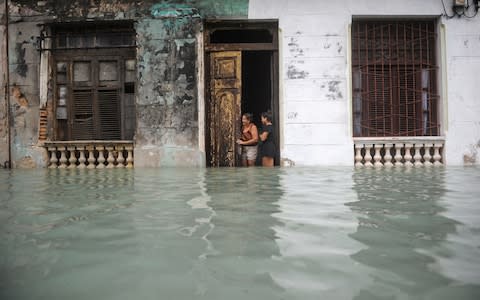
x,y
249,116
267,115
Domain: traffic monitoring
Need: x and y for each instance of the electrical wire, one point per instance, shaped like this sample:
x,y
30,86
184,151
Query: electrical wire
x,y
463,12
468,7
445,12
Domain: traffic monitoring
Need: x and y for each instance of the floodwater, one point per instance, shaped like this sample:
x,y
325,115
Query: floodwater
x,y
245,233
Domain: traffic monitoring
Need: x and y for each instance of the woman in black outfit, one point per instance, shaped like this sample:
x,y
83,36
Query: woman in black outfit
x,y
266,136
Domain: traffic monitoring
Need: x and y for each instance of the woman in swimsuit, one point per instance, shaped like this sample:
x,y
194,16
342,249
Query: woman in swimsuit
x,y
248,141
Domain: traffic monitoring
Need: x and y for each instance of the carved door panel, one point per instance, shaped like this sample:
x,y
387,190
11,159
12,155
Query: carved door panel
x,y
224,107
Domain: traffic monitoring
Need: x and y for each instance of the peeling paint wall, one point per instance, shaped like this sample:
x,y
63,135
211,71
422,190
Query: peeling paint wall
x,y
222,9
166,101
314,80
3,106
315,108
167,104
314,83
24,90
166,94
25,20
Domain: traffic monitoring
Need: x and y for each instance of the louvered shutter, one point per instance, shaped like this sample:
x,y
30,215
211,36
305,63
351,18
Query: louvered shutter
x,y
83,119
109,115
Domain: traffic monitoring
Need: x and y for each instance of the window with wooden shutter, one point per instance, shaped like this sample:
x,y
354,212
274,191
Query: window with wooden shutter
x,y
83,119
109,115
95,74
394,73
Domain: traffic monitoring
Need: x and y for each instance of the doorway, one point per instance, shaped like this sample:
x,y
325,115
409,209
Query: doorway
x,y
256,83
241,76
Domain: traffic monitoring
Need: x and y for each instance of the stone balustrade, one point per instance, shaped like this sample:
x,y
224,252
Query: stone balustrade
x,y
90,154
389,152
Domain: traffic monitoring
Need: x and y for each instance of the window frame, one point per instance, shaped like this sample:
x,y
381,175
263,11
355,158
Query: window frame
x,y
361,92
63,130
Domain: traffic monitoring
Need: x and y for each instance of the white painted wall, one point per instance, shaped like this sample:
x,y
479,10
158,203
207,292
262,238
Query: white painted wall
x,y
315,75
463,90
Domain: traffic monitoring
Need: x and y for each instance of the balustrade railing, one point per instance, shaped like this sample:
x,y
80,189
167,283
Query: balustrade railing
x,y
388,152
90,154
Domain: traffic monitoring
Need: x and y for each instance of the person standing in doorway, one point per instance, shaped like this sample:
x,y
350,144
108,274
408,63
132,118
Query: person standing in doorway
x,y
248,141
266,136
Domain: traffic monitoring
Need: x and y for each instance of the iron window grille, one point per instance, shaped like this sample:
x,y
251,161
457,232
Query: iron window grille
x,y
394,78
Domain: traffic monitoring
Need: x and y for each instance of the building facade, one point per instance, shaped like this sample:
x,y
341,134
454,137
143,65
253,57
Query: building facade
x,y
164,83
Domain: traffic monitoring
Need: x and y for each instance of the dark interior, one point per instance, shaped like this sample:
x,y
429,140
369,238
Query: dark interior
x,y
256,83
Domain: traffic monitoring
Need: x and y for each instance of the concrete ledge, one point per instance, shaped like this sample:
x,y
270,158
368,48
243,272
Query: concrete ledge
x,y
153,156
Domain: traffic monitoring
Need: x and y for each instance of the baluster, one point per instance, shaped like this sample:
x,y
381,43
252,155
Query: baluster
x,y
101,157
368,155
53,157
72,159
358,155
398,155
81,158
120,158
110,157
377,157
91,156
388,157
436,155
427,157
63,158
417,157
129,156
408,155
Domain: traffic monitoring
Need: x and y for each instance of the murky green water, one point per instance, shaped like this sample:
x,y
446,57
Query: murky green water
x,y
298,233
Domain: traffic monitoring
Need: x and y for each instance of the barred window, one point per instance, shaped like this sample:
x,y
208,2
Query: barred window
x,y
94,71
394,78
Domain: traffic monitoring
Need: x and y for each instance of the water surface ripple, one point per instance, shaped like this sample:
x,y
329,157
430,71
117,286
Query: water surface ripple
x,y
244,233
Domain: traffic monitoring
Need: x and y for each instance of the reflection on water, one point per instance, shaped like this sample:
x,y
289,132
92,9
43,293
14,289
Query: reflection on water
x,y
403,225
242,240
300,233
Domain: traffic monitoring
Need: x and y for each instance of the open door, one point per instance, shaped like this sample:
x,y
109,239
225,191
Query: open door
x,y
224,107
241,76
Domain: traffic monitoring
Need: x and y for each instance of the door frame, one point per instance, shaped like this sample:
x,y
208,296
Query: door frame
x,y
210,26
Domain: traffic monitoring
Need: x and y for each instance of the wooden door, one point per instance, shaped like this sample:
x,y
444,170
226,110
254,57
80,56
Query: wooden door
x,y
224,115
95,109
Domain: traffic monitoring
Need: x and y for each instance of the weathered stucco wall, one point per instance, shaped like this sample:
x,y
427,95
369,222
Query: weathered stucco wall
x,y
315,93
316,106
24,89
167,125
166,94
167,101
3,106
25,18
313,80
